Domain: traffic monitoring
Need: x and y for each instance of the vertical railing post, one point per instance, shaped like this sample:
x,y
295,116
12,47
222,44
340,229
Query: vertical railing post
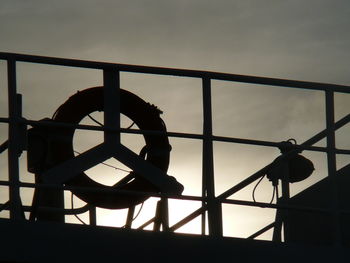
x,y
130,217
285,200
111,83
92,216
162,215
165,214
331,163
282,214
208,184
14,147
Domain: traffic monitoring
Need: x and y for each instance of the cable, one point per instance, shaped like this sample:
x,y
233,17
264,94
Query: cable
x,y
138,213
132,124
99,123
274,191
109,165
72,205
273,194
94,120
106,164
253,193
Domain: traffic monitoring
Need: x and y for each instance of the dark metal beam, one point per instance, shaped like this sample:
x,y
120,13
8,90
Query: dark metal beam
x,y
111,105
145,169
331,164
14,138
4,146
338,125
262,231
208,187
176,72
67,170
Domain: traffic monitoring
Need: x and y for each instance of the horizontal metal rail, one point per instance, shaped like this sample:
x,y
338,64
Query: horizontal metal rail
x,y
66,211
338,125
170,196
175,72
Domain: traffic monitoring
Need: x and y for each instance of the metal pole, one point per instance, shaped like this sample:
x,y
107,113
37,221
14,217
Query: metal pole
x,y
13,143
214,206
158,217
277,231
331,162
165,213
111,85
204,194
284,200
92,216
130,217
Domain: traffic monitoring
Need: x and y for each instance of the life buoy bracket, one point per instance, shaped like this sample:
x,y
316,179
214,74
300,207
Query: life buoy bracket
x,y
145,116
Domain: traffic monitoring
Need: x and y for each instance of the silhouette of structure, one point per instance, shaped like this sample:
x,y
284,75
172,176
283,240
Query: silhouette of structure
x,y
50,147
312,225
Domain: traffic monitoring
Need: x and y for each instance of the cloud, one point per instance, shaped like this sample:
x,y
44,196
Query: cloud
x,y
252,37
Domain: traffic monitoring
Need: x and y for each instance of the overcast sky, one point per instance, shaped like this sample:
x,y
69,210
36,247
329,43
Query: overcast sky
x,y
294,39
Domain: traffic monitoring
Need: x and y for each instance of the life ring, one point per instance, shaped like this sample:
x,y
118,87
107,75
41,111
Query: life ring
x,y
145,116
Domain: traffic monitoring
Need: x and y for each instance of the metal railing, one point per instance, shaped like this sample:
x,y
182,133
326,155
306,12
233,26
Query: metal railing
x,y
211,203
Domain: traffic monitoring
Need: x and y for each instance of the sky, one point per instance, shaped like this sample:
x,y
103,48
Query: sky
x,y
291,39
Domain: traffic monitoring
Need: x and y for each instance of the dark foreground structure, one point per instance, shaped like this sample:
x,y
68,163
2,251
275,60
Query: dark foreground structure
x,y
51,242
312,226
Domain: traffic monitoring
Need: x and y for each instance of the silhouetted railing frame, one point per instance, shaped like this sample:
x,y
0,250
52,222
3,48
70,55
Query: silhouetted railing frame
x,y
211,203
